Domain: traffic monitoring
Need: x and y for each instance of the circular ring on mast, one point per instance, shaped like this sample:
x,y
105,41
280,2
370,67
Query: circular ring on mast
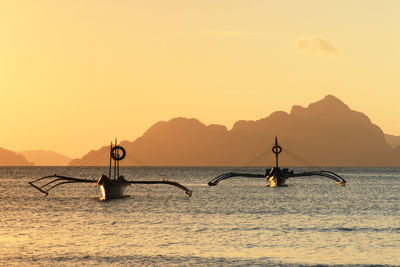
x,y
276,149
115,155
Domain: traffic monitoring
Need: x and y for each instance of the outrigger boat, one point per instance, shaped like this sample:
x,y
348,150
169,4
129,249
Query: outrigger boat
x,y
276,176
110,187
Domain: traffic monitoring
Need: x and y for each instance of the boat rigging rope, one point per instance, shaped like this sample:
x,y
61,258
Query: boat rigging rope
x,y
85,161
300,159
91,158
141,163
257,158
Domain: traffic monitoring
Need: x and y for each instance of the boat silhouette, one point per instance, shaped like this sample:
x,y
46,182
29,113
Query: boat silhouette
x,y
276,176
111,186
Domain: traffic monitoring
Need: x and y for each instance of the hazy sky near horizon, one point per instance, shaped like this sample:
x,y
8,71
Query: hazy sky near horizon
x,y
75,74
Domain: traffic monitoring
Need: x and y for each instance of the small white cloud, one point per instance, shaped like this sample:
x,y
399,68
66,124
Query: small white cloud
x,y
316,45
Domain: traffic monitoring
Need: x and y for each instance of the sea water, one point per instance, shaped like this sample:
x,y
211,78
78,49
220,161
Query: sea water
x,y
240,222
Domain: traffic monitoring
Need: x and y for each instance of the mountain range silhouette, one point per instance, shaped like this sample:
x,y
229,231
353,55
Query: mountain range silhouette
x,y
45,158
10,158
326,133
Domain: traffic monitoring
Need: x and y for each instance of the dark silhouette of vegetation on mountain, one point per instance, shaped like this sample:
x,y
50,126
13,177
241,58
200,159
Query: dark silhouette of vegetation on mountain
x,y
10,158
326,133
46,158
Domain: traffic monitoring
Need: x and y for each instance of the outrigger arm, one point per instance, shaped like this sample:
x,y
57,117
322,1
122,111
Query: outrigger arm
x,y
227,175
327,174
56,180
187,190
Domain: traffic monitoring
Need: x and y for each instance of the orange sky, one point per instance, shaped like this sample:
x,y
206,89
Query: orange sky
x,y
76,74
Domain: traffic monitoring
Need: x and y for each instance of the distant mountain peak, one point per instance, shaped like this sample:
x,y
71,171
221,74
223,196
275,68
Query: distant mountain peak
x,y
331,98
329,101
178,122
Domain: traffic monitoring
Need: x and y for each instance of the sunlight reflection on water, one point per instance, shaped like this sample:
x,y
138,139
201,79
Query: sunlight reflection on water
x,y
238,222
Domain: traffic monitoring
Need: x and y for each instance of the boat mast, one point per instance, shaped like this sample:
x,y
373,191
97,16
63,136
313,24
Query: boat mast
x,y
109,171
115,162
276,149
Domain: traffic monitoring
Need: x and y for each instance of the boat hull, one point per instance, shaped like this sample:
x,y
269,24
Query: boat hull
x,y
276,177
112,189
276,181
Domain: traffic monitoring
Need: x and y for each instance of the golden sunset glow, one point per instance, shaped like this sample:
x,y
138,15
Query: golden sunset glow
x,y
76,74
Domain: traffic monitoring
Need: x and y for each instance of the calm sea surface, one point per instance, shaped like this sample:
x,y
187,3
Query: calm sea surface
x,y
239,222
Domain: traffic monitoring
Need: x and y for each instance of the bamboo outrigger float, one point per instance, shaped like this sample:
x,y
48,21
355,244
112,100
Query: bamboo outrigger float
x,y
277,176
110,187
